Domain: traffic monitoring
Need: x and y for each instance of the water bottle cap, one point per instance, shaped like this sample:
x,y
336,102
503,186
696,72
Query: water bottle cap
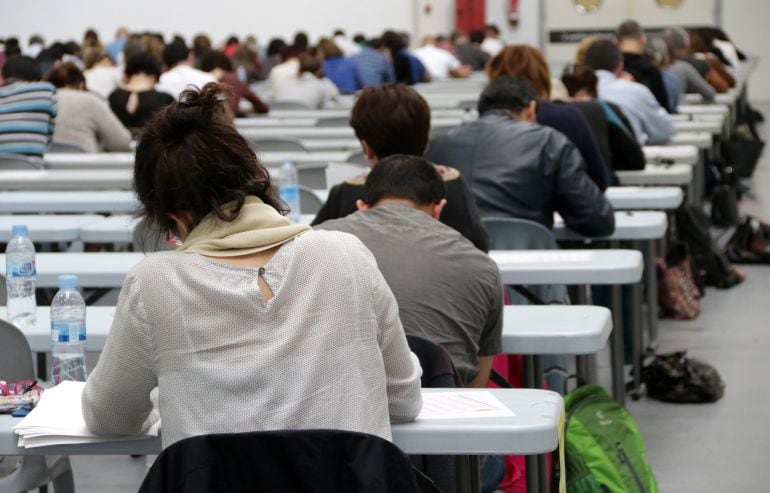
x,y
19,230
67,282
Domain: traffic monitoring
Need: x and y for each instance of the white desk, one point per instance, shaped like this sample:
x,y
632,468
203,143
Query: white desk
x,y
292,123
658,174
647,198
685,154
714,127
629,225
704,109
62,179
64,160
339,113
71,201
701,140
113,229
124,162
48,228
533,430
98,323
94,270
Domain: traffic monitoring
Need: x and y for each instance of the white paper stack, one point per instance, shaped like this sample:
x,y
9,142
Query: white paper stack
x,y
471,404
58,420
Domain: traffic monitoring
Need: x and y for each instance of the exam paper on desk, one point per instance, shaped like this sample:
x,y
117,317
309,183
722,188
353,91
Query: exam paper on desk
x,y
449,405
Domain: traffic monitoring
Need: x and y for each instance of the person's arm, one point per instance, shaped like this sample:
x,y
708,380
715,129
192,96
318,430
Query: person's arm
x,y
112,135
576,197
490,343
402,368
658,88
116,399
258,105
589,149
697,84
656,121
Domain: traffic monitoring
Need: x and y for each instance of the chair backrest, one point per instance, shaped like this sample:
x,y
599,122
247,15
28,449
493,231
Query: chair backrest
x,y
297,460
358,157
15,355
62,146
438,371
286,144
507,233
309,202
20,162
289,105
333,121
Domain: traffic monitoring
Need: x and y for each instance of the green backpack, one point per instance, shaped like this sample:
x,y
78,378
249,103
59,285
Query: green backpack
x,y
604,449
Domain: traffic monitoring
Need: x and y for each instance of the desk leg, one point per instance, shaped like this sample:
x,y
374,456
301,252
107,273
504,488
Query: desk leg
x,y
618,387
651,275
636,333
585,364
537,472
42,367
474,474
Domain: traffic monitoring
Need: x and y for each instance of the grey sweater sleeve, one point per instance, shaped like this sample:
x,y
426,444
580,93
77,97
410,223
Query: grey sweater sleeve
x,y
697,84
116,399
111,133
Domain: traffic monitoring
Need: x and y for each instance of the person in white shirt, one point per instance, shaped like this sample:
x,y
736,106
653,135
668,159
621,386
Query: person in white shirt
x,y
650,121
309,87
348,47
492,43
181,74
288,68
439,63
102,76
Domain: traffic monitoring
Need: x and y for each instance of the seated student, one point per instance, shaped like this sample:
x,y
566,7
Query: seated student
x,y
219,65
137,100
27,106
395,119
85,119
440,64
518,168
424,261
308,87
650,121
102,76
375,65
180,73
691,81
610,126
707,63
469,49
633,42
253,323
528,63
341,70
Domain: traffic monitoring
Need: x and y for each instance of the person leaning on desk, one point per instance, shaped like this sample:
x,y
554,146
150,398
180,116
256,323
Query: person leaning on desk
x,y
252,323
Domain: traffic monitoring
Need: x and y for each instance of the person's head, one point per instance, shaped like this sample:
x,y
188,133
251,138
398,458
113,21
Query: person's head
x,y
359,39
66,76
580,53
143,63
513,95
301,40
190,162
393,41
93,57
604,54
410,180
217,63
121,32
698,44
658,50
339,32
36,39
91,39
20,68
201,45
581,82
631,37
291,52
459,38
329,49
232,40
275,47
134,44
491,31
524,62
311,65
391,119
176,53
12,47
477,37
678,40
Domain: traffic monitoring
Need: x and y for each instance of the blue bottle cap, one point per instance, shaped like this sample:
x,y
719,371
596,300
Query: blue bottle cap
x,y
69,281
19,230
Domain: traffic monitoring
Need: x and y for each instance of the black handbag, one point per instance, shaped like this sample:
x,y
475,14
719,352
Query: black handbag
x,y
750,244
724,206
743,150
676,378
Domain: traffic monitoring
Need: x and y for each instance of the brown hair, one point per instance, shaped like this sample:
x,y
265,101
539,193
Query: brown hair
x,y
392,119
525,62
585,43
329,48
191,159
580,78
66,75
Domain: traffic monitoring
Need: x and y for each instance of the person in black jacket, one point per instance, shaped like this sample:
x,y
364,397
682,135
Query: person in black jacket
x,y
520,169
394,119
632,42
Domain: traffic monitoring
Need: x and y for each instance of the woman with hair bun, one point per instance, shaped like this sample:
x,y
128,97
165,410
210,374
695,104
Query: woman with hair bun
x,y
252,323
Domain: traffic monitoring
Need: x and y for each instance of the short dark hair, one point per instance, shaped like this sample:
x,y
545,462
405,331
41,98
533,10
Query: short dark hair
x,y
359,38
506,93
404,177
275,46
22,68
392,119
175,52
301,40
310,64
493,28
603,54
581,78
629,29
477,37
339,32
190,158
216,59
66,75
143,63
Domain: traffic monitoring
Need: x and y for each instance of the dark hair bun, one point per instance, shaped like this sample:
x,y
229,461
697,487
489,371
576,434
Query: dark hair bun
x,y
197,109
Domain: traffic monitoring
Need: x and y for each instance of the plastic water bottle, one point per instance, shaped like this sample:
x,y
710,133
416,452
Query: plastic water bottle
x,y
288,187
68,332
20,275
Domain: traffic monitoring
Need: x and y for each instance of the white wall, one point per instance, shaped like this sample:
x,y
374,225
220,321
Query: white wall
x,y
527,31
745,21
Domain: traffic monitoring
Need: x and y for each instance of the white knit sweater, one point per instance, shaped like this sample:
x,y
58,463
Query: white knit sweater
x,y
327,351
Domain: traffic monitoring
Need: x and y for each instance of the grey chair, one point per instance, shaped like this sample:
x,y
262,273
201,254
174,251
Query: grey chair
x,y
282,144
333,121
358,157
62,146
25,473
289,105
507,233
309,202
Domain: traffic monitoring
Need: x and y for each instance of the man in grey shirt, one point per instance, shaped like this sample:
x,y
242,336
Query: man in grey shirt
x,y
447,290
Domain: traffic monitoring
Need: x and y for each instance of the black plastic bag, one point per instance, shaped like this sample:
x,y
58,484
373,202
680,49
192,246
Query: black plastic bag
x,y
676,378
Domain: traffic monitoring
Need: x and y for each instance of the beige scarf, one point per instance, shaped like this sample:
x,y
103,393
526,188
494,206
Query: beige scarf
x,y
257,227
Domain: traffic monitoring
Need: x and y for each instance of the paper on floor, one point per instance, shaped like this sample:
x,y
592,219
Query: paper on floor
x,y
471,404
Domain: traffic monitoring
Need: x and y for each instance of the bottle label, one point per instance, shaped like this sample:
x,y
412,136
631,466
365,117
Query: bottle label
x,y
289,194
21,269
68,331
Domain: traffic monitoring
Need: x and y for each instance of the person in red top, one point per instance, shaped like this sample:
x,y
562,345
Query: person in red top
x,y
219,65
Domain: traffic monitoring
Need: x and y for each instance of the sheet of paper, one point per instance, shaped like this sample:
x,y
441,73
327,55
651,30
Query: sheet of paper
x,y
471,404
339,172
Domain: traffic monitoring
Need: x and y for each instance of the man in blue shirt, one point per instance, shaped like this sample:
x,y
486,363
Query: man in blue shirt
x,y
374,65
